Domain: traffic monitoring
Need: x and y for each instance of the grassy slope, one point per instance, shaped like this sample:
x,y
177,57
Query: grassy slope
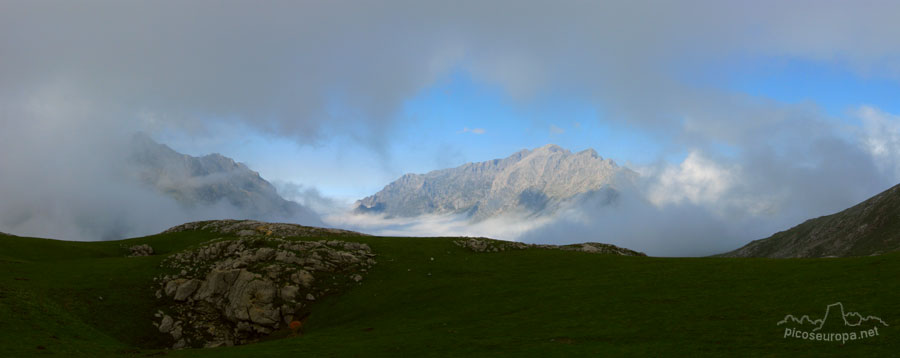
x,y
870,227
520,303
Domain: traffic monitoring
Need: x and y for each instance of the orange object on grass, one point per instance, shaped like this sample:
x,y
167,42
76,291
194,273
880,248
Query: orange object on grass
x,y
295,325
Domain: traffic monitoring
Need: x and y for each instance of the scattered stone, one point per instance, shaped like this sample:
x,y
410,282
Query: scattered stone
x,y
166,325
488,245
140,250
180,344
601,248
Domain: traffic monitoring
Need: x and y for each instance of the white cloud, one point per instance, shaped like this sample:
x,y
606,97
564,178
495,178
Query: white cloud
x,y
697,180
477,131
556,130
881,138
505,227
304,70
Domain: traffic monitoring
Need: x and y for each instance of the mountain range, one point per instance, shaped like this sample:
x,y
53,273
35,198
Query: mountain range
x,y
530,181
213,181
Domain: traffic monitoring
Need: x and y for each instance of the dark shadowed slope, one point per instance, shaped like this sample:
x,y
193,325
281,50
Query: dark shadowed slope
x,y
869,228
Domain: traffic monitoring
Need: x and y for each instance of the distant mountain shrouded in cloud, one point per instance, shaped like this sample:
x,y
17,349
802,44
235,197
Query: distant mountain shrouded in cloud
x,y
103,190
737,131
211,180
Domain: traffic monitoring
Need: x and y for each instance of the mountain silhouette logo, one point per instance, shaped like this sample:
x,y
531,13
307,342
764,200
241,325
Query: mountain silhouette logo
x,y
836,325
851,319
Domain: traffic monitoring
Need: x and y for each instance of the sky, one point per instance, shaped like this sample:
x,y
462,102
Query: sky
x,y
744,118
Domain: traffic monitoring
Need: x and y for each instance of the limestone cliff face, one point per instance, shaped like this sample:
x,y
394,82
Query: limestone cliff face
x,y
213,180
530,181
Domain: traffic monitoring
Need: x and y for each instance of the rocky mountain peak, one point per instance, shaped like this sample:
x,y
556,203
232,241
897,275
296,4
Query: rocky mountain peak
x,y
590,152
552,148
530,180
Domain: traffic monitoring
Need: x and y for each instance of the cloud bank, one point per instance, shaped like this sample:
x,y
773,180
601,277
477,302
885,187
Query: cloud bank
x,y
707,203
78,77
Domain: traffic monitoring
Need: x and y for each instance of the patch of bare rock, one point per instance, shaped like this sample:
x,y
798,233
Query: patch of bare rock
x,y
140,250
244,228
488,245
230,292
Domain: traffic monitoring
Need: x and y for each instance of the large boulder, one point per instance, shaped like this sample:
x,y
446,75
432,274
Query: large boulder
x,y
230,292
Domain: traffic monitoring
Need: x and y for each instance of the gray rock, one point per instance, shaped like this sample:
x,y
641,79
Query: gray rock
x,y
180,344
140,250
172,286
303,277
217,283
176,332
289,292
245,233
264,315
264,254
224,305
186,289
166,325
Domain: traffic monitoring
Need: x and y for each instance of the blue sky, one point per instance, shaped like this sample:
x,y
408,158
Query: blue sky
x,y
459,119
837,88
455,121
771,111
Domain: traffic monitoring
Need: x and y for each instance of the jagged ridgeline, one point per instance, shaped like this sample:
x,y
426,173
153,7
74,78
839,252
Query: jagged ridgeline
x,y
530,181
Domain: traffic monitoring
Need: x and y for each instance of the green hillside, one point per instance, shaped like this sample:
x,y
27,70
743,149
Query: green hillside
x,y
429,297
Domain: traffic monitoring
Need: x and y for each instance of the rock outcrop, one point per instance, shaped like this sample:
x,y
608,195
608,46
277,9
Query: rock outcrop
x,y
244,228
599,248
489,245
140,250
230,292
530,181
